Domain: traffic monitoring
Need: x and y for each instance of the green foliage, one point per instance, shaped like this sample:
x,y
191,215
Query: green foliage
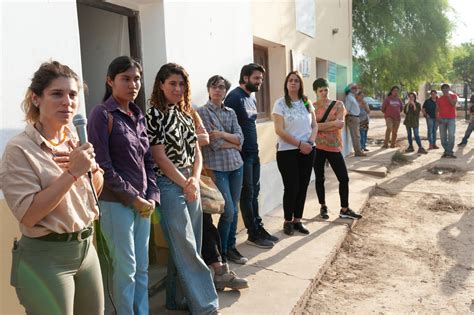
x,y
399,42
463,64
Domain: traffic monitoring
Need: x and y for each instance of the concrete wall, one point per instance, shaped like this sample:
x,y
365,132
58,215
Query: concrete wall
x,y
31,32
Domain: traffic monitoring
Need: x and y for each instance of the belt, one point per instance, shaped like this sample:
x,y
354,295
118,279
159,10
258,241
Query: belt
x,y
352,115
68,237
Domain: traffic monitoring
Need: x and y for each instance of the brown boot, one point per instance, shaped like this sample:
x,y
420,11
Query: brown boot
x,y
224,278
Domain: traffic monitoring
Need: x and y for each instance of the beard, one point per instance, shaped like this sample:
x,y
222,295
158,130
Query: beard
x,y
252,87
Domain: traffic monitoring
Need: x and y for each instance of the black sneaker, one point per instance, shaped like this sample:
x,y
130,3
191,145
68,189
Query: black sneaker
x,y
260,242
410,149
324,212
236,257
267,236
451,156
349,214
288,228
461,144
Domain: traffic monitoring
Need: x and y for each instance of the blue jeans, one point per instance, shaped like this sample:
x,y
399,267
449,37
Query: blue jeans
x,y
468,132
250,191
127,235
363,138
181,222
432,126
230,185
447,130
416,134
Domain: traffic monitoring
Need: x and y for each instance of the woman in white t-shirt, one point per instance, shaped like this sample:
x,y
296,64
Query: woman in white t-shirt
x,y
296,127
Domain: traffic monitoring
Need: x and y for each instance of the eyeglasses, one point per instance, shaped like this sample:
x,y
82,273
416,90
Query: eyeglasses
x,y
218,87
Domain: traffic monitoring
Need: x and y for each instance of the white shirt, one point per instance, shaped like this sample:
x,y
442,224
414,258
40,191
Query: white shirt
x,y
296,121
352,105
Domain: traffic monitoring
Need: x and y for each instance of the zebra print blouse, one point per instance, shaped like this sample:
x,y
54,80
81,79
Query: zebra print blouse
x,y
175,130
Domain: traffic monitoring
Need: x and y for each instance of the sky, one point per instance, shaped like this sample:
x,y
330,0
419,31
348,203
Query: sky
x,y
463,16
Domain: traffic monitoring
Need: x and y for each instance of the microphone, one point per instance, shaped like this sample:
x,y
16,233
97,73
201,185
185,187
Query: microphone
x,y
80,123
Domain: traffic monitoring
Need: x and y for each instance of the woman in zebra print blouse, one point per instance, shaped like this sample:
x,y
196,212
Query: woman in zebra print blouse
x,y
178,158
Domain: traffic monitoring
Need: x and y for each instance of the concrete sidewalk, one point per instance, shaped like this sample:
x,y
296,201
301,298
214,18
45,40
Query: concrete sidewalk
x,y
281,278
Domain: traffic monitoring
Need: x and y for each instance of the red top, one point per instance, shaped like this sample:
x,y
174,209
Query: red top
x,y
446,110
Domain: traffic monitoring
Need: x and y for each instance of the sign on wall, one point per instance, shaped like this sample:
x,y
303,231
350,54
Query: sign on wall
x,y
306,17
332,72
301,63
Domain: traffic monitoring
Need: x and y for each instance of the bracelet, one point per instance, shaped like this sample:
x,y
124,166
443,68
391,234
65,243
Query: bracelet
x,y
70,173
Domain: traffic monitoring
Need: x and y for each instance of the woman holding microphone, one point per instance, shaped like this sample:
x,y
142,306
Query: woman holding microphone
x,y
55,269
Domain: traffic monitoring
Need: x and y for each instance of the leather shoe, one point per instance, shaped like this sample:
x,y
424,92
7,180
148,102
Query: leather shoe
x,y
300,228
288,228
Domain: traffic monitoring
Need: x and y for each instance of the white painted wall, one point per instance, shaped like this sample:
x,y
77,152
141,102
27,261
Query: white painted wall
x,y
31,32
207,38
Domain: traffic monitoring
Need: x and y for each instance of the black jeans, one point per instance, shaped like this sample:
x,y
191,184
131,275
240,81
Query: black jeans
x,y
250,191
211,241
336,160
295,170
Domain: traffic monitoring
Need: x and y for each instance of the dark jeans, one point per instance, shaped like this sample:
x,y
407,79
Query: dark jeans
x,y
416,135
211,241
295,170
250,191
336,160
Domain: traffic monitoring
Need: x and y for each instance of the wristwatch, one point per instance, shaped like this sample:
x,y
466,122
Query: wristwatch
x,y
311,143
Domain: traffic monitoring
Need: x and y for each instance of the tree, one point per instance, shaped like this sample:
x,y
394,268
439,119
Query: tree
x,y
463,64
401,42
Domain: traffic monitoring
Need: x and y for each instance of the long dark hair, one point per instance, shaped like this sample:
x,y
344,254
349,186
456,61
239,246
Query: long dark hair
x,y
119,65
393,88
300,91
158,98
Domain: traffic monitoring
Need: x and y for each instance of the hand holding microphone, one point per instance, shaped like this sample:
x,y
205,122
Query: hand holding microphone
x,y
81,159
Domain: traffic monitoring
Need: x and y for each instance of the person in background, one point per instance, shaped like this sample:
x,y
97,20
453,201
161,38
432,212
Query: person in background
x,y
244,104
446,115
429,112
222,159
296,127
352,117
173,138
328,147
412,114
55,268
470,127
391,108
363,120
117,129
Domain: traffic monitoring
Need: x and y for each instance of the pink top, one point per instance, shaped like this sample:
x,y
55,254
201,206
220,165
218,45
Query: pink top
x,y
392,107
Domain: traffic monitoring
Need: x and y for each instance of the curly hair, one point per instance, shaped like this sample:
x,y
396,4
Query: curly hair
x,y
158,99
42,78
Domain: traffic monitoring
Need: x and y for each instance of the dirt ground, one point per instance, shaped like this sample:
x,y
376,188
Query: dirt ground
x,y
413,252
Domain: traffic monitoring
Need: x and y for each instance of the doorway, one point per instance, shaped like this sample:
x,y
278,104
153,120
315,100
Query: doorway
x,y
106,31
260,56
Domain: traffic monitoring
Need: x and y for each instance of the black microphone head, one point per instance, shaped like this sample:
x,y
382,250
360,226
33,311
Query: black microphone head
x,y
79,120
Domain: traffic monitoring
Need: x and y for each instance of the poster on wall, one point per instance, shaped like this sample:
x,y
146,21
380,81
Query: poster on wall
x,y
301,63
306,17
332,72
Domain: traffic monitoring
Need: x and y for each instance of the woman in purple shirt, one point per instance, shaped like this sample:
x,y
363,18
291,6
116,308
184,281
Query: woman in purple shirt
x,y
117,129
392,107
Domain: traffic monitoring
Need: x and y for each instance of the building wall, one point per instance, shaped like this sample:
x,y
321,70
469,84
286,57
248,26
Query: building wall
x,y
274,27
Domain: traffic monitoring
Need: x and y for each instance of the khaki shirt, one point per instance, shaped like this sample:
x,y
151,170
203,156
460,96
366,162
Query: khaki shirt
x,y
26,169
